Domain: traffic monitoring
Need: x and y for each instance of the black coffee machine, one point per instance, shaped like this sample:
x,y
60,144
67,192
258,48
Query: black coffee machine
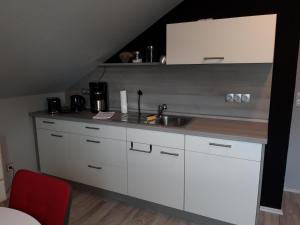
x,y
98,97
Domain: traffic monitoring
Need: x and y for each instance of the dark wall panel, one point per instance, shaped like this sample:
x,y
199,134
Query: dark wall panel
x,y
284,72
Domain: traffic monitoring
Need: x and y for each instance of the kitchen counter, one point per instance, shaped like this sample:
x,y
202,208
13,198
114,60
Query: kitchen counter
x,y
238,130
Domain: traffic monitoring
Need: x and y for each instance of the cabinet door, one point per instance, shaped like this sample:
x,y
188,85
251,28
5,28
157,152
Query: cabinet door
x,y
156,174
98,162
52,147
233,40
223,188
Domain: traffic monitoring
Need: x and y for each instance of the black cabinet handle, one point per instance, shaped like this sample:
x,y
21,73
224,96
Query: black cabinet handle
x,y
56,135
220,145
95,167
92,141
169,153
48,122
93,128
138,150
213,58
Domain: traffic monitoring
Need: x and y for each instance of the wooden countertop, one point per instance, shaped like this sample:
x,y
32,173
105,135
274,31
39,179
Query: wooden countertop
x,y
246,130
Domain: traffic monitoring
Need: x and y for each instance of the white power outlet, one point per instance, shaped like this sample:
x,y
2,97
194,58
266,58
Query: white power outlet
x,y
246,98
229,97
237,98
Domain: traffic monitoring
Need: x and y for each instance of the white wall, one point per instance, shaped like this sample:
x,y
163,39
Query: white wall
x,y
46,45
292,178
17,128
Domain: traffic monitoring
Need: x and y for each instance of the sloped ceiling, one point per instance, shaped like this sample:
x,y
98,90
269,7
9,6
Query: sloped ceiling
x,y
47,45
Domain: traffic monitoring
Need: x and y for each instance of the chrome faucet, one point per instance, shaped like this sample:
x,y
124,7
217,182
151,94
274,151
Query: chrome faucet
x,y
161,109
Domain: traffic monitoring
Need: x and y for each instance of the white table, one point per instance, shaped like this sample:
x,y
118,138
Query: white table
x,y
14,217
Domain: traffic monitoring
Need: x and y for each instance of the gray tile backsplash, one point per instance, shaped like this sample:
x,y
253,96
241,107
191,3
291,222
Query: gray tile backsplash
x,y
189,89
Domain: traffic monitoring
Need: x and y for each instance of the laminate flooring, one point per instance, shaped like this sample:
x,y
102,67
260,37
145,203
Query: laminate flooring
x,y
91,208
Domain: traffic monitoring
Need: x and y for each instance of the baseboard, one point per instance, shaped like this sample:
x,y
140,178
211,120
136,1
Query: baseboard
x,y
271,210
293,190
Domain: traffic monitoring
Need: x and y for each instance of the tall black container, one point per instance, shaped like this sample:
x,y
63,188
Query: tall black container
x,y
98,96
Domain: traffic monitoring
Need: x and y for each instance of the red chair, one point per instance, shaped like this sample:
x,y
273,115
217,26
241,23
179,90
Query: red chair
x,y
45,198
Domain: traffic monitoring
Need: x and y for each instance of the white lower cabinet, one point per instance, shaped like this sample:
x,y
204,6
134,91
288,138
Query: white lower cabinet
x,y
156,174
53,152
220,186
211,177
96,161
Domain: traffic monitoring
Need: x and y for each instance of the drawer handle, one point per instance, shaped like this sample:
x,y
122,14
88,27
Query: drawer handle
x,y
169,153
95,167
213,58
220,145
93,128
56,135
138,150
48,122
92,141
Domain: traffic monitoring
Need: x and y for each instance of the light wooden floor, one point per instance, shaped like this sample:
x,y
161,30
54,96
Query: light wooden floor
x,y
90,208
290,208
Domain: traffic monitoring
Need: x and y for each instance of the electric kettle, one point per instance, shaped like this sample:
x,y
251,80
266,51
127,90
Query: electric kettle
x,y
77,103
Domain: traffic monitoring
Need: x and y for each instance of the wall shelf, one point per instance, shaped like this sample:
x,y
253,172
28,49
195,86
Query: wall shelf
x,y
129,64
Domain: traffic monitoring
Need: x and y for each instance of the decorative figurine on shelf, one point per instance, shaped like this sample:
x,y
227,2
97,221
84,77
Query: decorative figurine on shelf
x,y
137,58
126,57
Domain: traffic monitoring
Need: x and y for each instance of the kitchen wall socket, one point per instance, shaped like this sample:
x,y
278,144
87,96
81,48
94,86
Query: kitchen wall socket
x,y
246,98
10,167
237,98
229,97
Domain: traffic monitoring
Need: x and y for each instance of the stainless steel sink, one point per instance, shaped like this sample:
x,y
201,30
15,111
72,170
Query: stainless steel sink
x,y
173,121
165,120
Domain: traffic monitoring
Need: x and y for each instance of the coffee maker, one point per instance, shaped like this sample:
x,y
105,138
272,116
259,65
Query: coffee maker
x,y
98,97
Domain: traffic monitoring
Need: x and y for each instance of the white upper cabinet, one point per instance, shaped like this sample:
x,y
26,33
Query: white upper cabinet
x,y
233,40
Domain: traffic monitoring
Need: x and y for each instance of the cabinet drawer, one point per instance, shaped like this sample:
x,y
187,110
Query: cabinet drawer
x,y
156,138
57,125
236,149
112,178
88,129
100,150
104,131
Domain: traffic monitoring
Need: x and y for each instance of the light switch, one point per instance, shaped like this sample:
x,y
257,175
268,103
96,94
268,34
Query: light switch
x,y
298,99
